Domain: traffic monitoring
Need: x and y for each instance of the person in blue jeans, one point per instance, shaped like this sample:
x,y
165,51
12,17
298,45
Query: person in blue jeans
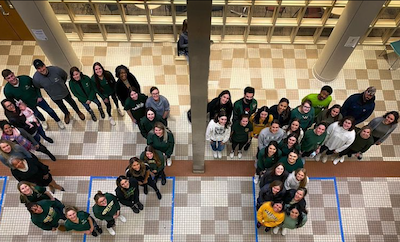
x,y
22,88
218,133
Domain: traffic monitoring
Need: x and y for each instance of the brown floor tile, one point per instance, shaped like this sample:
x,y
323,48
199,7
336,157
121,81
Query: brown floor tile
x,y
129,149
301,64
374,228
239,53
227,63
100,51
28,50
160,80
303,83
147,51
90,137
225,83
87,61
311,54
292,94
376,83
278,63
75,149
23,70
169,70
207,227
182,80
5,49
371,64
271,94
385,74
361,74
135,61
288,53
13,60
265,53
279,83
254,63
256,83
351,84
389,95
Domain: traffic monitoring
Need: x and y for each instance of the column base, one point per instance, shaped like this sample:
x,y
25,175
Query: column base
x,y
320,78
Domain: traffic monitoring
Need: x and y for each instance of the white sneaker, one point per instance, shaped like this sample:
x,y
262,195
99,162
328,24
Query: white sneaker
x,y
324,158
256,179
44,125
111,231
275,230
169,161
120,112
240,155
337,160
215,154
318,157
122,218
112,122
232,154
284,231
341,159
219,154
61,125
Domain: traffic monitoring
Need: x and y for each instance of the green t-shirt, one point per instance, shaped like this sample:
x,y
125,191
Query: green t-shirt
x,y
25,91
107,89
306,119
290,168
136,107
317,104
48,219
240,133
311,141
82,225
37,195
107,212
266,162
152,163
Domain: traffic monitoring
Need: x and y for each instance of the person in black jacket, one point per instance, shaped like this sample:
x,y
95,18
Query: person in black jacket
x,y
222,102
124,82
274,192
294,196
127,192
277,172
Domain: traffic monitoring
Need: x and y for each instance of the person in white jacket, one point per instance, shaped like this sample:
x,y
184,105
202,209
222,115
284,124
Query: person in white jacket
x,y
218,132
340,135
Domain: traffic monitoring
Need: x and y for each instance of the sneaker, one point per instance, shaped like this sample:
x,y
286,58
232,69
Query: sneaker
x,y
335,161
275,230
102,115
215,153
139,205
111,231
112,122
163,180
318,157
284,231
341,160
135,209
267,229
232,154
94,233
360,156
240,155
158,195
169,162
120,112
44,125
99,230
219,154
122,218
61,125
81,116
67,118
312,155
50,140
324,158
258,225
256,179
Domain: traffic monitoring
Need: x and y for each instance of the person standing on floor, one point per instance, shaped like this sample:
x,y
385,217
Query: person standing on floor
x,y
260,120
360,105
30,192
127,192
266,158
183,42
281,111
9,149
81,222
320,101
382,127
270,215
304,113
125,81
241,135
135,105
271,133
52,79
159,103
222,102
312,141
217,133
107,208
292,161
246,105
83,89
22,88
147,122
295,218
329,116
162,139
155,160
46,213
105,86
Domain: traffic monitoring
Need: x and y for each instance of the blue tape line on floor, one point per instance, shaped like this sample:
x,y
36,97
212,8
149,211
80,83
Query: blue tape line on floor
x,y
3,191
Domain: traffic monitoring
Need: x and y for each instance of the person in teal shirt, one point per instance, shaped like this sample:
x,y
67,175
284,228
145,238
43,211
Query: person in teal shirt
x,y
82,87
305,114
320,101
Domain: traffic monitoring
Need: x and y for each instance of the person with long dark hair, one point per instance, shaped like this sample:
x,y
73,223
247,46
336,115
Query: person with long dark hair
x,y
382,127
329,116
222,102
281,111
289,144
218,133
135,105
270,215
275,192
293,128
147,122
295,218
105,86
275,173
260,120
127,192
266,158
241,135
183,42
46,213
125,81
155,160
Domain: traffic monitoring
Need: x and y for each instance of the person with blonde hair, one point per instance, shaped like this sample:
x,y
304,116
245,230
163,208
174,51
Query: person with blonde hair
x,y
296,179
30,192
162,139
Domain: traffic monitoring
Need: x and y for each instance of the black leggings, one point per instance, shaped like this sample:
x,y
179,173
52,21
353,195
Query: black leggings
x,y
241,144
110,223
151,183
108,105
328,151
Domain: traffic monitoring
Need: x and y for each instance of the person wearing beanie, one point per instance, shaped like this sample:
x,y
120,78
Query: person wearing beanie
x,y
360,105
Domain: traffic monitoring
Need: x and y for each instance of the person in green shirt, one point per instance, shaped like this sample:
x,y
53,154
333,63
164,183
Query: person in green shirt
x,y
313,140
330,115
22,88
295,218
155,160
107,208
46,213
83,89
147,122
289,144
292,161
305,114
135,105
162,139
81,222
266,158
246,105
241,135
320,101
30,192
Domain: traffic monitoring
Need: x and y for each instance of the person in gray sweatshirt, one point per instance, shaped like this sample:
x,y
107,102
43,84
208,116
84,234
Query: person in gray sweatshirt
x,y
268,134
52,79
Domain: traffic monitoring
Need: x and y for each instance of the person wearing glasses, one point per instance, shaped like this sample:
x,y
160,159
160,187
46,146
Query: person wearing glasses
x,y
305,114
159,103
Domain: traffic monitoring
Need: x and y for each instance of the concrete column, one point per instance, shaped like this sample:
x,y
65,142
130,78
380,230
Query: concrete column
x,y
354,22
199,29
40,18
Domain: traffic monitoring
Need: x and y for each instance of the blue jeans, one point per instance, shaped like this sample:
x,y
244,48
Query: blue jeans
x,y
217,147
45,106
40,132
87,106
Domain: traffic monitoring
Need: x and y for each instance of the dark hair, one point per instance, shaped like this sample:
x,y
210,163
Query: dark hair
x,y
6,72
150,148
150,109
298,131
98,195
107,75
273,168
134,89
249,90
285,141
119,68
328,113
71,208
395,114
298,207
327,88
222,113
72,70
318,124
184,26
276,183
275,156
286,113
153,88
118,182
258,114
306,101
305,191
142,170
365,127
352,120
281,203
4,106
295,151
30,205
275,121
4,123
244,116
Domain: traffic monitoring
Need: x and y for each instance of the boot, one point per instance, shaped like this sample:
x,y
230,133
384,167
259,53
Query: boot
x,y
93,116
163,178
139,205
158,195
135,209
145,189
102,115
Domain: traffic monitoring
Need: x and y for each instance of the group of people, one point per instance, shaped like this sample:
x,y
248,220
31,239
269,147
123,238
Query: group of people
x,y
46,211
26,124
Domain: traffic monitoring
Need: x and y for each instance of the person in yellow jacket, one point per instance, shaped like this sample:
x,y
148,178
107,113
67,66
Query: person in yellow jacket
x,y
270,215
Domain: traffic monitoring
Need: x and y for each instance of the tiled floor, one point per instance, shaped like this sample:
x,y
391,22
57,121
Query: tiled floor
x,y
222,209
274,70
